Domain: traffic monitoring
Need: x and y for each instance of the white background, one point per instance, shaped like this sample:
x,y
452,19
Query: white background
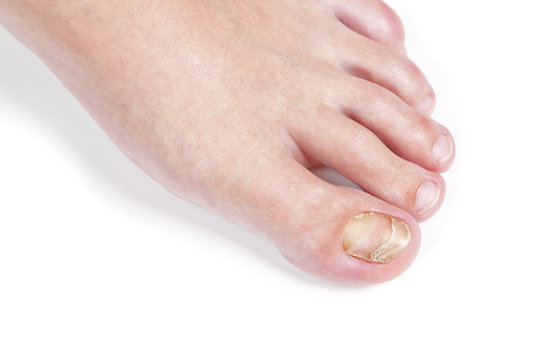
x,y
98,262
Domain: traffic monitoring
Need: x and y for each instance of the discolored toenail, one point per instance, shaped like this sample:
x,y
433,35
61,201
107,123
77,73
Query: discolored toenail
x,y
375,237
426,105
427,197
443,148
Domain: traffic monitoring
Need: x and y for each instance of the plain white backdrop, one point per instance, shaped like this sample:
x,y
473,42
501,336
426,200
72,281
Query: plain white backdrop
x,y
99,262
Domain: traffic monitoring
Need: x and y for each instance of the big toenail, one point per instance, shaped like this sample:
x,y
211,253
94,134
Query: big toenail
x,y
427,197
443,148
426,105
375,237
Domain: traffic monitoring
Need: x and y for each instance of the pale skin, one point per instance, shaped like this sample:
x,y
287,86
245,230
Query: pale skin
x,y
229,103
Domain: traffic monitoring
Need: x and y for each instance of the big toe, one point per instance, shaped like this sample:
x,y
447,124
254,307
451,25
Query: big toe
x,y
338,233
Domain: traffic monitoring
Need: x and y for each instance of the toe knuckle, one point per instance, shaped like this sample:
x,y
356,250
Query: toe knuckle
x,y
422,130
411,75
412,72
368,92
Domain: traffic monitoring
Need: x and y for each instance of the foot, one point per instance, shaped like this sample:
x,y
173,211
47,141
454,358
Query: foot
x,y
229,103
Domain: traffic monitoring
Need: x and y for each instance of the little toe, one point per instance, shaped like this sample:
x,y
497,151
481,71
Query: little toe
x,y
353,150
372,19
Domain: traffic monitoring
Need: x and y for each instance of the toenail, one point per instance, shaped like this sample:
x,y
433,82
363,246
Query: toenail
x,y
375,237
426,105
443,148
427,197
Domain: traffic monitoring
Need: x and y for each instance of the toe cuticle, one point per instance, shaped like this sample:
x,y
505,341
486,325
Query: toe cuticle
x,y
375,237
427,197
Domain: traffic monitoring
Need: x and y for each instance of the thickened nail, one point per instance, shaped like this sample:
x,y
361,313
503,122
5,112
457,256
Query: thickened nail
x,y
375,237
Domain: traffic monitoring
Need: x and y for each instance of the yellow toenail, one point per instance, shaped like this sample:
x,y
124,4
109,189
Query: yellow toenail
x,y
375,237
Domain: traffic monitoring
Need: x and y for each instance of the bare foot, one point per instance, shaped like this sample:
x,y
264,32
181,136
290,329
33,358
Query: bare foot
x,y
228,103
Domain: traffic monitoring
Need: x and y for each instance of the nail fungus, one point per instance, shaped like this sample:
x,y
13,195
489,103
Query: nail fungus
x,y
443,148
427,197
375,237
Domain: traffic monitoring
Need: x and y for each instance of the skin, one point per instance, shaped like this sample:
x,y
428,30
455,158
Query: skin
x,y
229,103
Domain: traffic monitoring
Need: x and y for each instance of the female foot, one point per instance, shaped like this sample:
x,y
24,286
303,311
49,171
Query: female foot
x,y
228,104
